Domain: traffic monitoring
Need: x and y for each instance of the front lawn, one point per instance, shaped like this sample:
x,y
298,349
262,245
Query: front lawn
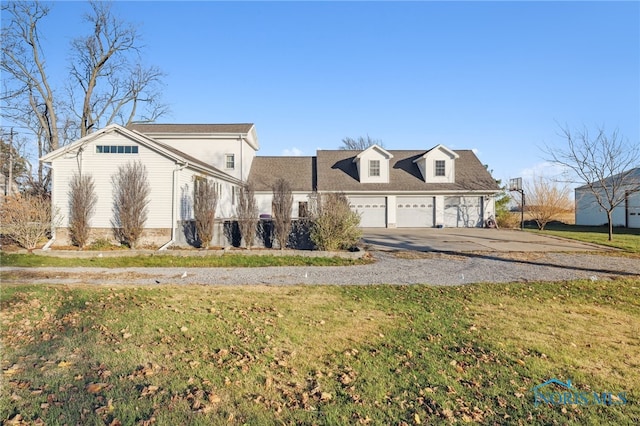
x,y
164,260
626,239
169,355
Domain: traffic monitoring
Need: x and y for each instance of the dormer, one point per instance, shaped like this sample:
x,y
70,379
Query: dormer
x,y
373,165
438,165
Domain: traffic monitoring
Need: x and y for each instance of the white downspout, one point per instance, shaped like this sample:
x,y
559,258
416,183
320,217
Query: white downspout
x,y
47,246
174,206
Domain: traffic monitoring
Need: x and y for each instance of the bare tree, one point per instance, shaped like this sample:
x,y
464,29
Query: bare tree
x,y
27,219
112,84
131,200
360,143
282,204
107,82
205,203
546,200
247,215
336,226
82,203
602,162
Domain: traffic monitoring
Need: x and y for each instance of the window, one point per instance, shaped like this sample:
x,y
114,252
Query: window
x,y
117,149
233,195
230,161
374,167
440,168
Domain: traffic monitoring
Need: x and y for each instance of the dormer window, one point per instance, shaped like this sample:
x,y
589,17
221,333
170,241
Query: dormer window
x,y
440,168
374,168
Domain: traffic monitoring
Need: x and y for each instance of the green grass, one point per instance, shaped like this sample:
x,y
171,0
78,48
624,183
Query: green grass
x,y
623,238
211,355
227,260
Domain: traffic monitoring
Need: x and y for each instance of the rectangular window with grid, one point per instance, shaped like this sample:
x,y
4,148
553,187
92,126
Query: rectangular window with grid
x,y
374,168
230,161
440,168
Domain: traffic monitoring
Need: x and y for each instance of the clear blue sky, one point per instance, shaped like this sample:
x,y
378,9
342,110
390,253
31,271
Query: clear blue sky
x,y
496,77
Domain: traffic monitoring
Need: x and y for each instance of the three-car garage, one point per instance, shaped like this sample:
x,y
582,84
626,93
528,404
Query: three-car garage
x,y
412,211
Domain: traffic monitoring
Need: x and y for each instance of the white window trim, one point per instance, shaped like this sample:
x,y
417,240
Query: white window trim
x,y
371,163
226,161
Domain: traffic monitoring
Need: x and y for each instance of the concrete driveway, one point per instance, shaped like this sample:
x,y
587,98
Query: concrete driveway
x,y
469,240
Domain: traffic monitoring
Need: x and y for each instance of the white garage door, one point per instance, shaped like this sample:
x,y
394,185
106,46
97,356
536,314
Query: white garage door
x,y
414,212
372,210
462,212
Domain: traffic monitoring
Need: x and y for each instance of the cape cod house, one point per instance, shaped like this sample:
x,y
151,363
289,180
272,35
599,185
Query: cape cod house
x,y
389,188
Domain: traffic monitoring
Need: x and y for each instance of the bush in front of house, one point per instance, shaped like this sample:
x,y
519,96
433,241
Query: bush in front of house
x,y
27,219
336,226
131,200
82,203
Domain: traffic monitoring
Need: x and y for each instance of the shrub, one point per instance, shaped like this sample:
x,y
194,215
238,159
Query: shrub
x,y
27,219
282,204
131,200
205,202
336,225
247,215
82,202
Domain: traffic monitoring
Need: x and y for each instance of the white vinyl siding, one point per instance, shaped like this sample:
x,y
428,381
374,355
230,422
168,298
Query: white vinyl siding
x,y
94,164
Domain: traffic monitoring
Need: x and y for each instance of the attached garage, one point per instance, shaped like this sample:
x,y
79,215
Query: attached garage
x,y
463,212
372,210
415,212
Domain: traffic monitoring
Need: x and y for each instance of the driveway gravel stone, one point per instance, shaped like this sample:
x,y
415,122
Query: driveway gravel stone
x,y
400,267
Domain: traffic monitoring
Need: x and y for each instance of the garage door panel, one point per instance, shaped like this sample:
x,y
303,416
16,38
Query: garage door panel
x,y
372,211
462,212
414,212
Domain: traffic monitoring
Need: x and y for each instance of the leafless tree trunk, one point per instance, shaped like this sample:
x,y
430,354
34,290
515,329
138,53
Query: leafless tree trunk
x,y
131,200
29,98
27,219
359,144
82,203
113,85
205,203
601,162
107,84
282,204
247,215
546,200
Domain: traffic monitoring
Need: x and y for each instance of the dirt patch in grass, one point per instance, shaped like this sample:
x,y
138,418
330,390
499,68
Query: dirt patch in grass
x,y
40,276
411,254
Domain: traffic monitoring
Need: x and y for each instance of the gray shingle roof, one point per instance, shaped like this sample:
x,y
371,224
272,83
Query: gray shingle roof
x,y
338,172
298,171
629,177
149,128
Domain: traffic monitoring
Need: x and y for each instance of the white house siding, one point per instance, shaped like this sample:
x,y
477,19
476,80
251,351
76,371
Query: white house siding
x,y
264,200
589,213
102,167
633,210
213,151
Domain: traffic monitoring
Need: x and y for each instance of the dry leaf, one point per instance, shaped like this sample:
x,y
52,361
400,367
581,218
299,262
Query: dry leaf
x,y
95,387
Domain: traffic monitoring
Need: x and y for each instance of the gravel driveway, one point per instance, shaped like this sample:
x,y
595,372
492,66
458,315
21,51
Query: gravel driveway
x,y
389,268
